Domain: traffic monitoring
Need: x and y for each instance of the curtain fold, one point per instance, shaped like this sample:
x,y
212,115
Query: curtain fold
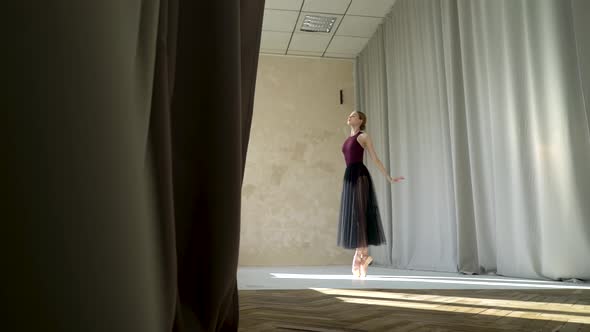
x,y
488,120
127,126
216,57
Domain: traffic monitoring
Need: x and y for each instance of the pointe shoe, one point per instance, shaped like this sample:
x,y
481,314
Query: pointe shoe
x,y
356,265
365,265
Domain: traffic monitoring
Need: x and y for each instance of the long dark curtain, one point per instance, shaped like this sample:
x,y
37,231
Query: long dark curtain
x,y
124,127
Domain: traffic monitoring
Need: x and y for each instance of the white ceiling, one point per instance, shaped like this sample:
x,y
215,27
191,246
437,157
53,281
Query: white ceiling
x,y
356,21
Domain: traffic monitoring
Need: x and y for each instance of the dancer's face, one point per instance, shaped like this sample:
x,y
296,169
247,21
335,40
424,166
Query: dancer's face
x,y
354,119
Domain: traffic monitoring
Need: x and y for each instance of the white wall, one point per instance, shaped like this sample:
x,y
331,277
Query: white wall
x,y
294,169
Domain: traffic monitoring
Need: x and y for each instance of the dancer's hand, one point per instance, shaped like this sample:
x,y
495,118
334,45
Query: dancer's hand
x,y
397,179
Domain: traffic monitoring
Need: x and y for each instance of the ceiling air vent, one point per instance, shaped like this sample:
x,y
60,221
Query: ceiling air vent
x,y
313,23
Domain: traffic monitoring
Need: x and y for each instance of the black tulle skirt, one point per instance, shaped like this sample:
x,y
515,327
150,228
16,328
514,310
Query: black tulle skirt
x,y
360,221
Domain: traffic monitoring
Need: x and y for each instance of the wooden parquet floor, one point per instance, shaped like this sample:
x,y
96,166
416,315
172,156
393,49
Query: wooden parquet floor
x,y
331,310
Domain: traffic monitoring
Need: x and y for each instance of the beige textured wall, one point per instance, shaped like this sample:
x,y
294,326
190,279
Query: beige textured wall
x,y
294,169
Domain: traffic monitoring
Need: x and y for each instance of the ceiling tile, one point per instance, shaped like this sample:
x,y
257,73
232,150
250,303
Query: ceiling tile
x,y
279,20
271,40
347,45
283,4
379,8
311,42
349,36
358,26
326,6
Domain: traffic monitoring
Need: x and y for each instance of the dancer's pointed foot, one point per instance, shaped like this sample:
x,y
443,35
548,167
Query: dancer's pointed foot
x,y
366,261
356,265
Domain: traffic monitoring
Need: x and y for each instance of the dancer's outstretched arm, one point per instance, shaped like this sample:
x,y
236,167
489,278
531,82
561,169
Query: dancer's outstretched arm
x,y
366,142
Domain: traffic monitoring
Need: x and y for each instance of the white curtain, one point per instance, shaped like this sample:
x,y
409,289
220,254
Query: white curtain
x,y
483,107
